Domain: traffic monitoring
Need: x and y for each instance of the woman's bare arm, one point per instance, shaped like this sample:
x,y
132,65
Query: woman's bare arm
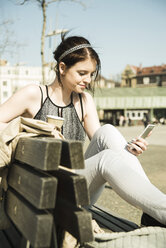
x,y
91,123
25,102
91,120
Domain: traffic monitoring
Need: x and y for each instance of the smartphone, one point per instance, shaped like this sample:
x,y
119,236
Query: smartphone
x,y
146,131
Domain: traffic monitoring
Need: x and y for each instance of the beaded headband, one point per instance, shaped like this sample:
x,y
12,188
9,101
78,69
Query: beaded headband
x,y
72,50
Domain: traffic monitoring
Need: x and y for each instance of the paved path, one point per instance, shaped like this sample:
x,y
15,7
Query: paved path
x,y
158,136
154,163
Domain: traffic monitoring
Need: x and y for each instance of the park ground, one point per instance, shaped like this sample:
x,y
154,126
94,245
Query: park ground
x,y
153,161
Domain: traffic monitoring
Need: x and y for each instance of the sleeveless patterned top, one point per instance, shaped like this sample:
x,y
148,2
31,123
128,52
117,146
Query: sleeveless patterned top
x,y
72,128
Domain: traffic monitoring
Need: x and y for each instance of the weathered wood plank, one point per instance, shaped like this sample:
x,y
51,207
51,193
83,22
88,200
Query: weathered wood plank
x,y
4,242
37,187
72,187
43,153
110,221
13,236
76,221
35,226
72,155
54,240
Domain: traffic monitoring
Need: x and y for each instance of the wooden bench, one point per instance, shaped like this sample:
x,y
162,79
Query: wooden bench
x,y
44,197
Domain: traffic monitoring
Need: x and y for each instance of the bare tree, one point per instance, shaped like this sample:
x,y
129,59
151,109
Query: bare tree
x,y
7,43
44,4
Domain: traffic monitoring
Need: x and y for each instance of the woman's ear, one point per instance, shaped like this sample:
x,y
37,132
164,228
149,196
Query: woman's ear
x,y
62,68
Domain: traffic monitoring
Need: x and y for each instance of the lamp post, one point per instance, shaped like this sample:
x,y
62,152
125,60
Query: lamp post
x,y
54,33
57,31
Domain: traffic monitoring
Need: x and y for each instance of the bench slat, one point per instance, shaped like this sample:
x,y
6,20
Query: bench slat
x,y
76,221
72,155
37,187
14,237
72,187
4,242
42,153
110,221
35,226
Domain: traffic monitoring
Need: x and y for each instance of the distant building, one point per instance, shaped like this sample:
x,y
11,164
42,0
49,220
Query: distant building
x,y
105,83
131,103
14,77
152,76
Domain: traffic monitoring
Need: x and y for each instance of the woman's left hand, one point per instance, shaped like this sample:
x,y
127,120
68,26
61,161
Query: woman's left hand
x,y
137,146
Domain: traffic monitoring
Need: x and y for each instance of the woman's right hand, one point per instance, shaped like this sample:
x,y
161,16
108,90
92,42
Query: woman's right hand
x,y
137,146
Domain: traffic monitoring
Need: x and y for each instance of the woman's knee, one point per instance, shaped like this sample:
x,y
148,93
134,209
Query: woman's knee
x,y
109,129
112,136
106,130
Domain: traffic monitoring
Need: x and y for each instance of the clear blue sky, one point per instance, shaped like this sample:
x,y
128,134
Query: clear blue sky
x,y
122,31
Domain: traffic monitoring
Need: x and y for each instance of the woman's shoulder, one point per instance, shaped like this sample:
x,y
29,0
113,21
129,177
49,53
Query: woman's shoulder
x,y
32,88
87,97
31,91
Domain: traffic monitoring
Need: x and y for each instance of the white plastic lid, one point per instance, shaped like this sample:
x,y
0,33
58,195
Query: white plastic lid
x,y
55,117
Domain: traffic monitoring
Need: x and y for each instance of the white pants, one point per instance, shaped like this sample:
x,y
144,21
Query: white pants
x,y
107,160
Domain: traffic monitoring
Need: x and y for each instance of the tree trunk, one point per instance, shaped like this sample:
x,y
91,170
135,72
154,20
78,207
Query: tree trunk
x,y
43,40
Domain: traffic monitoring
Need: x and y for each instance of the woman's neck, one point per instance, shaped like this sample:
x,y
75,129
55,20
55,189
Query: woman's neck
x,y
59,94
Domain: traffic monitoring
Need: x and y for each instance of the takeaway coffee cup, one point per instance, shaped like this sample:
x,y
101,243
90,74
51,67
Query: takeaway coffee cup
x,y
56,121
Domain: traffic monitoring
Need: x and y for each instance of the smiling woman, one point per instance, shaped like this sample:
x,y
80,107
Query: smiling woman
x,y
79,76
77,65
108,158
77,49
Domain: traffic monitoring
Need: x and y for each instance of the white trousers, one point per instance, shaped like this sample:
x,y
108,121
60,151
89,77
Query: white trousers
x,y
108,160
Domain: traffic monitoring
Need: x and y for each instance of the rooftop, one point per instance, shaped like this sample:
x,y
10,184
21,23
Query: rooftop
x,y
152,70
130,98
139,70
130,92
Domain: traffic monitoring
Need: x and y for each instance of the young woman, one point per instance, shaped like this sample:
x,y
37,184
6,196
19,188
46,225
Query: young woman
x,y
109,158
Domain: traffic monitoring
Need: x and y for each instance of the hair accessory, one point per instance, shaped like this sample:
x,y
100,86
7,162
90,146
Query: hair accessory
x,y
72,50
